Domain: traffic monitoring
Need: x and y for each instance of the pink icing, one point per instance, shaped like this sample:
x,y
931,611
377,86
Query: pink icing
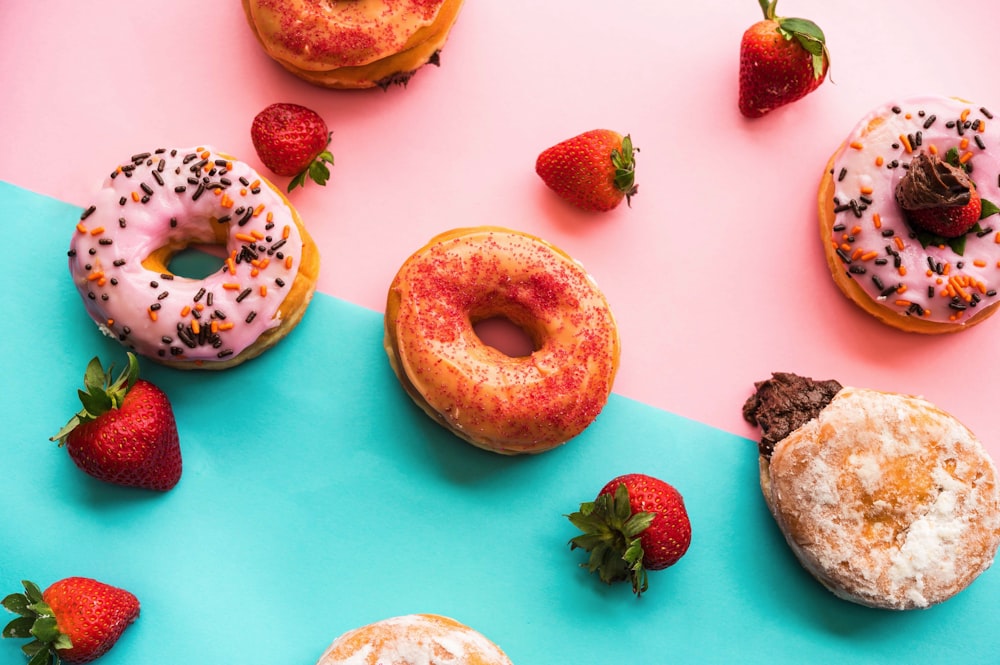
x,y
878,248
173,198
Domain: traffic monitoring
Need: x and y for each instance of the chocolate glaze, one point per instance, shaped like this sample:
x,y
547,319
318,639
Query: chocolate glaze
x,y
932,183
785,402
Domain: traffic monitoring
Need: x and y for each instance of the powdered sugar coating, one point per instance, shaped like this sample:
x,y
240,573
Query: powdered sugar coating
x,y
415,639
888,500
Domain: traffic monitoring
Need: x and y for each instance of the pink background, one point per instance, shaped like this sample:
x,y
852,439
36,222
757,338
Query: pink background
x,y
715,274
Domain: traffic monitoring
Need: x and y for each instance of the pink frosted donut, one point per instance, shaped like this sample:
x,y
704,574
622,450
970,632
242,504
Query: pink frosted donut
x,y
157,204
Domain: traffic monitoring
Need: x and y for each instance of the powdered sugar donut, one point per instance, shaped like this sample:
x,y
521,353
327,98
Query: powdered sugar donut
x,y
415,639
886,499
158,203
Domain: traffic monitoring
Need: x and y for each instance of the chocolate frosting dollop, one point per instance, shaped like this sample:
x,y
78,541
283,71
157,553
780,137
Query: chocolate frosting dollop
x,y
933,183
785,402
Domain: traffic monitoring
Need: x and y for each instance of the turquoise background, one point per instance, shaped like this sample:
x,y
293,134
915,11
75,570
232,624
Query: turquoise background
x,y
316,498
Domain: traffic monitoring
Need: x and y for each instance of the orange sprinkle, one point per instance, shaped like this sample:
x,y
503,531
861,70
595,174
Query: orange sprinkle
x,y
231,265
902,288
110,322
964,143
254,272
255,184
966,156
217,192
226,325
195,326
285,232
929,272
906,143
263,290
908,116
264,262
259,209
868,256
270,217
243,191
205,154
231,286
982,126
902,271
947,268
857,145
135,196
83,229
199,306
877,221
152,314
932,149
97,231
879,161
214,327
845,247
257,234
245,237
857,254
965,114
226,201
979,263
867,190
288,262
94,276
899,243
186,310
903,303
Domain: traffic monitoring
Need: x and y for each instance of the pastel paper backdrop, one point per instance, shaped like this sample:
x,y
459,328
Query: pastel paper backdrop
x,y
316,497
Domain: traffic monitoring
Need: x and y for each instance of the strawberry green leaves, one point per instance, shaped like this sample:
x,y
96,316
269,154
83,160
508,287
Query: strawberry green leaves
x,y
101,394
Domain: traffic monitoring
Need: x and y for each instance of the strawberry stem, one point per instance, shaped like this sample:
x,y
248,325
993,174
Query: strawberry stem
x,y
317,171
624,163
36,622
768,7
102,393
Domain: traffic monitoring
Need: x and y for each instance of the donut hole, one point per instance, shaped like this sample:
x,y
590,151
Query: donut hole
x,y
502,334
196,262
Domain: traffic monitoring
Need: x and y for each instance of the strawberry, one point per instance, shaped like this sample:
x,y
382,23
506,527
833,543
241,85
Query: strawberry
x,y
76,619
939,197
292,140
781,61
594,170
637,523
126,433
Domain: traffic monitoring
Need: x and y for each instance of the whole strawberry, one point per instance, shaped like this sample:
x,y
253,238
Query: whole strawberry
x,y
637,523
781,61
76,619
126,433
939,197
594,170
292,140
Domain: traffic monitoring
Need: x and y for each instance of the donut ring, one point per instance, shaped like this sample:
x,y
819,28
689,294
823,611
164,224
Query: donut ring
x,y
503,404
157,204
352,44
886,499
874,256
415,639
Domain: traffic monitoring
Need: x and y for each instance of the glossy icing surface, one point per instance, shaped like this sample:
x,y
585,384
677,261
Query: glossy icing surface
x,y
158,203
514,404
314,34
897,267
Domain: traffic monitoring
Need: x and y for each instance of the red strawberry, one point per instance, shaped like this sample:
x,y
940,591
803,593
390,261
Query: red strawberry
x,y
781,60
594,170
77,619
637,523
292,140
939,197
126,433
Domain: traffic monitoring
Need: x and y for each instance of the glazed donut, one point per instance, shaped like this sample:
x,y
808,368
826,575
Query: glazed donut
x,y
886,499
352,43
414,639
905,278
157,204
494,401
